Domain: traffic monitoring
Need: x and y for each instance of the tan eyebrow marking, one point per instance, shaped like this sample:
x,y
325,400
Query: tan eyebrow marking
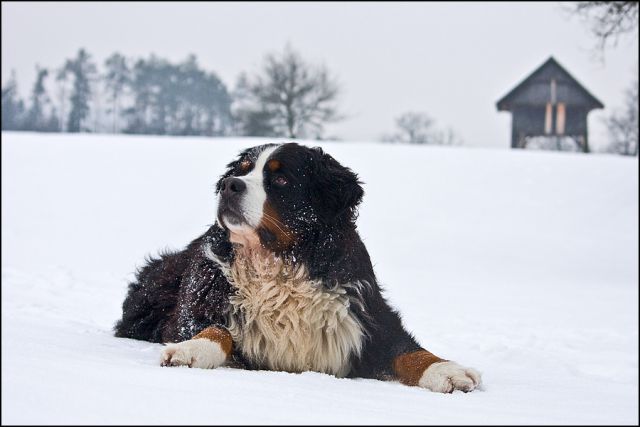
x,y
245,164
274,165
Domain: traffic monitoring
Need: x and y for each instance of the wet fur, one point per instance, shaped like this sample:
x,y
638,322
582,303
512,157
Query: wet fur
x,y
285,321
180,293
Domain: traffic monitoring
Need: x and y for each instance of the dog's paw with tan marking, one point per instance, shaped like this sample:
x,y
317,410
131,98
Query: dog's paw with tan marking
x,y
194,353
445,377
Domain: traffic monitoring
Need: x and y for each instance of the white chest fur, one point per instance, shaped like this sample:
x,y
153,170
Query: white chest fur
x,y
281,320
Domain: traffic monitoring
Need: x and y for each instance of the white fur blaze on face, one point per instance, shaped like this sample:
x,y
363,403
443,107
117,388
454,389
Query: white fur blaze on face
x,y
196,353
255,196
445,377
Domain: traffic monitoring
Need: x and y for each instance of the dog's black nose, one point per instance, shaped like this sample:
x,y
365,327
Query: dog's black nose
x,y
232,185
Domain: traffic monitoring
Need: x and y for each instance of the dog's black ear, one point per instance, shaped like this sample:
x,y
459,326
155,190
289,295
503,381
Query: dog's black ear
x,y
337,192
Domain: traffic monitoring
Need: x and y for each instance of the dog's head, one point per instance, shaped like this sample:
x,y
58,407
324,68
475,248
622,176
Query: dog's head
x,y
275,196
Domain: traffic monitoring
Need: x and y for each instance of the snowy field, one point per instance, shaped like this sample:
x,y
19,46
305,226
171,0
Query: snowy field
x,y
523,265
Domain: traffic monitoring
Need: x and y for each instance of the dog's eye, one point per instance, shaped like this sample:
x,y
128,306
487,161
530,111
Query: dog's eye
x,y
280,180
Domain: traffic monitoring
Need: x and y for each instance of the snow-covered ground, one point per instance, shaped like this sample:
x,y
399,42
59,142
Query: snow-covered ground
x,y
523,265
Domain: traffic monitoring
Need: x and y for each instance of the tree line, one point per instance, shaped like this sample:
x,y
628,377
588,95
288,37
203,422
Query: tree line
x,y
287,97
145,96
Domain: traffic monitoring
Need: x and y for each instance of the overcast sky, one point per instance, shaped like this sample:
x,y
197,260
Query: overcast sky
x,y
450,60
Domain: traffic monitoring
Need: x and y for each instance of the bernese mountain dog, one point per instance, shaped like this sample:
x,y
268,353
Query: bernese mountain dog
x,y
282,281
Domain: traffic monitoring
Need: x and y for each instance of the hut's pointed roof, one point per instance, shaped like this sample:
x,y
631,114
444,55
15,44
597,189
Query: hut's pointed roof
x,y
528,91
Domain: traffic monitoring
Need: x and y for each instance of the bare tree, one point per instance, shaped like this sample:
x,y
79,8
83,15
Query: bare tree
x,y
447,137
414,128
608,19
289,97
419,128
623,125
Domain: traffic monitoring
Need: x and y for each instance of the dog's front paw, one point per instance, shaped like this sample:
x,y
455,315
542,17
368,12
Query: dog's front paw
x,y
195,353
445,377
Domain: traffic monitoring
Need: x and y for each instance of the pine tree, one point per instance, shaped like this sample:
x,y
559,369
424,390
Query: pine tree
x,y
82,70
117,77
12,107
36,117
177,99
218,107
62,77
138,114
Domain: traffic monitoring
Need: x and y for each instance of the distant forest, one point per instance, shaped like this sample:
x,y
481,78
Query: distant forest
x,y
287,97
142,96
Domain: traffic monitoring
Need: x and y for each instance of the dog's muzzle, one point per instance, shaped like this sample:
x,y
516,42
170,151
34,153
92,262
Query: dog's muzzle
x,y
232,191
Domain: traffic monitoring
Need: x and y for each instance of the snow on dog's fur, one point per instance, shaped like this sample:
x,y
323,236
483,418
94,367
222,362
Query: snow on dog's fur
x,y
283,281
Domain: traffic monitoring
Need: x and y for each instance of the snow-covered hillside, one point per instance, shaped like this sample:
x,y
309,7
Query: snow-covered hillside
x,y
523,265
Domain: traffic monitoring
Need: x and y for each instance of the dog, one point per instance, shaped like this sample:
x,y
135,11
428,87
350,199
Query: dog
x,y
281,281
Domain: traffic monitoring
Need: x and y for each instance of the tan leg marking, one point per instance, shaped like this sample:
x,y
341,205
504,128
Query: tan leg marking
x,y
409,367
207,350
221,336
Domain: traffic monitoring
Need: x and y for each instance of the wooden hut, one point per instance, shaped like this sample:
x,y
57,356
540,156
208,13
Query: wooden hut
x,y
549,103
